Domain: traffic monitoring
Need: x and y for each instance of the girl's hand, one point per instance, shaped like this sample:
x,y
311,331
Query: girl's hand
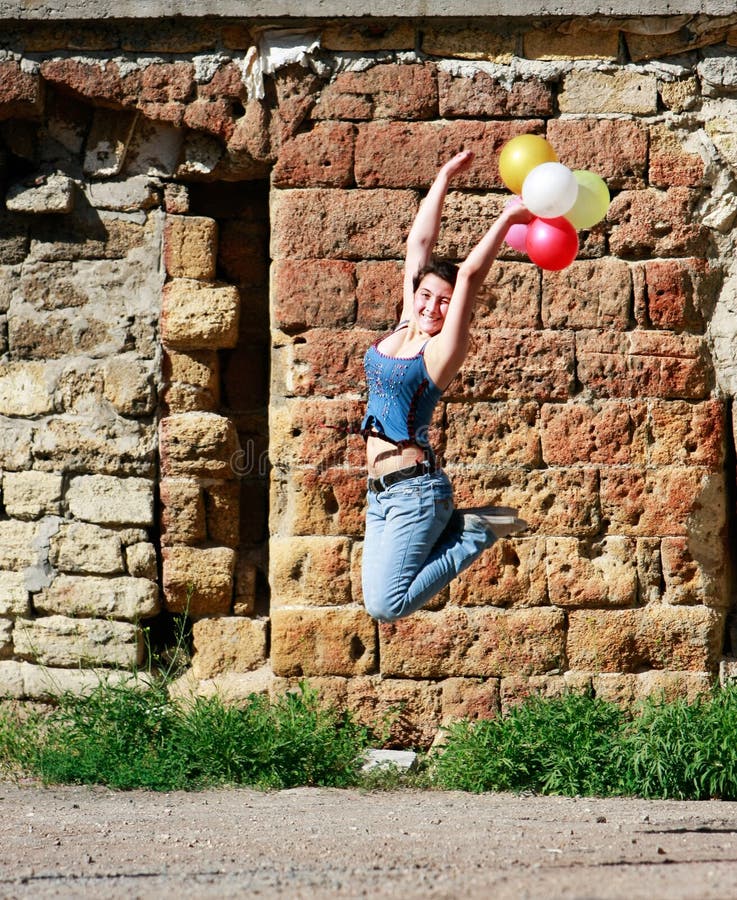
x,y
459,163
516,214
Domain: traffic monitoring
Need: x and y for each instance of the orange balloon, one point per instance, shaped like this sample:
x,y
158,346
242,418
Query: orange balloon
x,y
520,156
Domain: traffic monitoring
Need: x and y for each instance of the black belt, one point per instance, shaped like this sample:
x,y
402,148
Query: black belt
x,y
382,482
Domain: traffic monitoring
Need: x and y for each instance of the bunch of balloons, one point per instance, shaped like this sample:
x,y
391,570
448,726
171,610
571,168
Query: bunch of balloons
x,y
561,200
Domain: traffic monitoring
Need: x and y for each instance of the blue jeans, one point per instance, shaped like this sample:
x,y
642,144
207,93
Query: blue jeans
x,y
414,545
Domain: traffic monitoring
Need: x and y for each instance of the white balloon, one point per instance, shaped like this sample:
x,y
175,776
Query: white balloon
x,y
550,190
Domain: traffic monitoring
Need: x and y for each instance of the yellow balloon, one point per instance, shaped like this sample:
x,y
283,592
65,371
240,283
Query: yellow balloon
x,y
592,200
520,156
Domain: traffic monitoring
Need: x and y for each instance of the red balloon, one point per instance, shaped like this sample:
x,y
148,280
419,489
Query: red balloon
x,y
552,243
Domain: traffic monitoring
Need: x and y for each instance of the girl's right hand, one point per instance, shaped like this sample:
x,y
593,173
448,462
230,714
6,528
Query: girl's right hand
x,y
459,163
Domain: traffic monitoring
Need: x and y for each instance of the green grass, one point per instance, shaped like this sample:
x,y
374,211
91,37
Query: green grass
x,y
125,737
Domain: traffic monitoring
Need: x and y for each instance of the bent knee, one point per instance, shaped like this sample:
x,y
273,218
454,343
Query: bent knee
x,y
381,610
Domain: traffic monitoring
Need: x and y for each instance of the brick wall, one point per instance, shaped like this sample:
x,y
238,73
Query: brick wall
x,y
176,411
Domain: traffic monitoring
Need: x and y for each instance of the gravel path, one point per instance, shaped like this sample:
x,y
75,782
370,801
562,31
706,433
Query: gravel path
x,y
314,843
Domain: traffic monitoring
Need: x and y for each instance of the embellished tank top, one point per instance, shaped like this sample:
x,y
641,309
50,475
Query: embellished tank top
x,y
401,397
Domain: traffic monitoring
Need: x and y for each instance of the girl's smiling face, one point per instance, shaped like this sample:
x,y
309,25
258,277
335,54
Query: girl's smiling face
x,y
431,301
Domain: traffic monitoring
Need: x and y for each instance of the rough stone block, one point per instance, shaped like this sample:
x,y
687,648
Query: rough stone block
x,y
620,92
322,157
310,571
482,42
337,224
677,294
588,294
378,294
670,162
315,432
6,639
198,581
482,95
246,587
612,432
27,388
70,643
689,580
629,689
31,494
16,438
328,502
313,294
222,512
17,544
509,298
182,511
229,645
21,93
243,256
107,142
643,364
577,39
197,316
54,195
600,574
482,434
126,599
654,637
128,385
108,500
79,547
515,689
686,434
14,597
140,560
473,643
408,155
505,364
384,91
397,35
510,574
616,149
408,711
191,381
190,247
322,642
657,223
469,699
324,362
198,444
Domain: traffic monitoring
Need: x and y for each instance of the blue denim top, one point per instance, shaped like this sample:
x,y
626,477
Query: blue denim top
x,y
401,397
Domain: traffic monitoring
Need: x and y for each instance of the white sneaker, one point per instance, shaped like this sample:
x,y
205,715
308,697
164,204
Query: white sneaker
x,y
501,521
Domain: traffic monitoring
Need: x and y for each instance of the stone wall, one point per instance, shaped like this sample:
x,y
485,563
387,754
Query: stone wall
x,y
204,231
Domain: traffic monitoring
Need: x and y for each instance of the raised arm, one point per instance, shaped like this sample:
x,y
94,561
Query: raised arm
x,y
425,229
448,349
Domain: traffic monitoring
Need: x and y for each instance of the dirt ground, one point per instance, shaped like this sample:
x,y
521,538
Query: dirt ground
x,y
314,843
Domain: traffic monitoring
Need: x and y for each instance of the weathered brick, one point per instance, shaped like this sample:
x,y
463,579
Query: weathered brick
x,y
552,501
509,574
328,501
681,94
17,540
216,117
198,316
27,388
686,434
222,512
616,149
322,642
505,363
313,293
383,91
410,711
612,432
28,495
332,223
643,44
166,83
128,385
88,233
481,95
378,294
666,501
227,644
409,154
599,574
324,362
487,434
469,699
315,432
670,162
190,247
677,294
509,298
588,294
191,381
641,364
70,643
656,223
620,92
182,511
473,643
629,689
198,581
126,599
373,35
111,501
310,571
15,599
197,444
690,579
141,561
21,93
322,157
654,637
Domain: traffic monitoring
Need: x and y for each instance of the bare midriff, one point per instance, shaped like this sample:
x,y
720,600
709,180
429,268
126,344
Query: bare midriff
x,y
384,457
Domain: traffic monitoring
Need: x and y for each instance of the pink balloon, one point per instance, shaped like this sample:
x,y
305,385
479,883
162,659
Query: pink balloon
x,y
516,235
552,243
